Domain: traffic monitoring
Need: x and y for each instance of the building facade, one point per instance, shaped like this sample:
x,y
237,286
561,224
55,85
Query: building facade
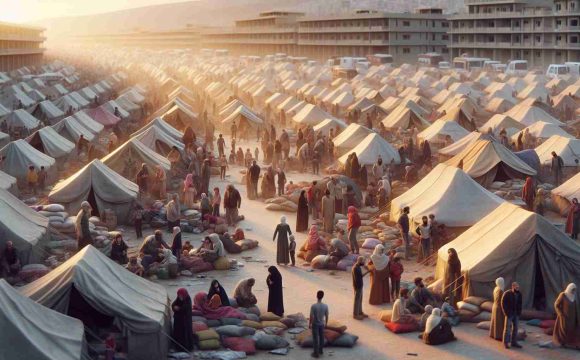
x,y
187,38
360,33
20,46
542,32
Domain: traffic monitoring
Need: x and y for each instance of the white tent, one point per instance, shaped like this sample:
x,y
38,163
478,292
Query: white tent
x,y
132,154
112,105
19,155
79,99
543,130
370,149
88,122
439,130
21,118
460,145
244,118
49,142
500,121
310,115
350,137
566,147
449,193
562,195
102,187
325,126
8,183
32,331
162,125
529,115
47,111
159,140
404,117
67,103
96,284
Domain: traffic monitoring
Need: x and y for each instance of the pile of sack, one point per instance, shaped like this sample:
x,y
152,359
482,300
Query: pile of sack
x,y
281,203
335,335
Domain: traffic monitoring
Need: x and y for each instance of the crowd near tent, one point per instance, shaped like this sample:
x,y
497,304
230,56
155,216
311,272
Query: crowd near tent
x,y
450,193
371,148
517,245
543,130
93,288
19,155
33,331
487,161
500,122
49,142
325,126
26,228
562,195
101,187
244,119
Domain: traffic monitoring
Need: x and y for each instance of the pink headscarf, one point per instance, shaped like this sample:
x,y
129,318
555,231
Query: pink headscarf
x,y
313,239
200,304
188,182
182,292
351,210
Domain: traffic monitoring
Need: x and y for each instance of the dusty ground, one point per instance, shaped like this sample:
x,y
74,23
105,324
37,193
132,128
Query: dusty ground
x,y
300,286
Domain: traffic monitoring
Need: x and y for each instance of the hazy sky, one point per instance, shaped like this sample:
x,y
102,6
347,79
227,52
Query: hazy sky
x,y
31,10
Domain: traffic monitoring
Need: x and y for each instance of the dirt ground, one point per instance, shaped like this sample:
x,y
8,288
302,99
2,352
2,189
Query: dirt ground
x,y
300,286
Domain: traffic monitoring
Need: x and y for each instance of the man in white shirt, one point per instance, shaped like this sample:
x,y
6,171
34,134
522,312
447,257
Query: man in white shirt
x,y
424,232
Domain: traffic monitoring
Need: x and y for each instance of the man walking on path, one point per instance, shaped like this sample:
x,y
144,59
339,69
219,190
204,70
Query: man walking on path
x,y
403,225
318,321
511,305
357,284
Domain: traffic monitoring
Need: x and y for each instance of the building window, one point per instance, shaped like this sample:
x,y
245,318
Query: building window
x,y
444,37
407,24
445,50
406,36
406,50
538,53
574,22
573,39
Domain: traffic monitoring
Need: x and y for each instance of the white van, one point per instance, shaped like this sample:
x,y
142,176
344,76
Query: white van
x,y
574,67
517,67
488,65
468,63
557,70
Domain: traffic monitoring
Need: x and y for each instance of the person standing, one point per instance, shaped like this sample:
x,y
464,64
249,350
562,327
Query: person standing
x,y
317,322
379,270
221,145
557,168
452,278
403,225
254,173
511,306
529,193
302,213
573,219
292,250
281,181
275,294
283,231
232,202
205,176
223,161
497,318
182,314
173,212
357,284
42,176
395,272
233,129
138,220
424,232
566,330
328,212
315,162
83,231
32,179
176,244
215,202
143,179
353,224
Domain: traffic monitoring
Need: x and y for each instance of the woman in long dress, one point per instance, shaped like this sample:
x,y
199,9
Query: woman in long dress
x,y
217,290
328,212
497,317
302,213
283,232
379,269
161,181
275,294
83,231
182,314
573,219
243,293
189,192
452,280
567,328
437,329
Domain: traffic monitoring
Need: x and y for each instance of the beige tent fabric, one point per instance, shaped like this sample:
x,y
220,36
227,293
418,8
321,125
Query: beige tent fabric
x,y
350,137
155,136
500,121
404,117
567,148
135,150
111,190
311,115
162,125
449,193
369,150
562,195
19,155
140,307
543,130
326,125
481,160
528,115
242,113
32,331
438,131
514,243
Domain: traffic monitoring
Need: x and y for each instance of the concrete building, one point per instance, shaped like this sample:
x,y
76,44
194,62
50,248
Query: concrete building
x,y
20,45
542,32
187,38
360,33
271,32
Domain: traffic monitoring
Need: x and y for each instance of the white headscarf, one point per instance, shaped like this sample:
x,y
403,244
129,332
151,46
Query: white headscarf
x,y
500,283
176,230
168,257
570,293
379,258
433,320
283,219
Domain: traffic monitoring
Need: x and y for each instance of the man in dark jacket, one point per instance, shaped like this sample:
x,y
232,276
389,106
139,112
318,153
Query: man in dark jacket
x,y
511,305
357,285
254,177
232,202
281,181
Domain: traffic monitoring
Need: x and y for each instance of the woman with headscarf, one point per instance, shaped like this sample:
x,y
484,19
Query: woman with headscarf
x,y
83,231
161,182
243,293
302,213
437,329
425,316
529,193
119,250
182,315
204,205
201,304
338,249
217,294
283,231
142,179
383,193
176,245
539,202
353,224
314,241
189,192
379,269
354,167
328,211
268,184
497,318
275,295
567,328
452,280
573,219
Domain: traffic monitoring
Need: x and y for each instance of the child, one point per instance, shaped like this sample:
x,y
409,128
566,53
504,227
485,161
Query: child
x,y
187,246
256,153
292,250
139,221
42,175
32,179
232,156
134,267
395,271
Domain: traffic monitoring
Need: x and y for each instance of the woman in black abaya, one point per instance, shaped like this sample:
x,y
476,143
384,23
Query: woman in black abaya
x,y
217,289
182,315
275,296
302,213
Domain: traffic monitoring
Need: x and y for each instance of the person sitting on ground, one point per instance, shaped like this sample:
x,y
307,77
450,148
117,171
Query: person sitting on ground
x,y
424,317
119,250
229,244
134,267
149,250
187,246
212,248
169,262
437,329
201,306
11,260
243,293
400,314
450,311
217,296
420,297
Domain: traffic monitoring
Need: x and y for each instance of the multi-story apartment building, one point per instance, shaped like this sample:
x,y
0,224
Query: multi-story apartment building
x,y
402,35
20,45
360,33
539,31
271,32
187,38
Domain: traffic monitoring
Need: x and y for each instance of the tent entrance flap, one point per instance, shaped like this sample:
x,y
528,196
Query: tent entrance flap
x,y
539,288
80,309
93,201
162,148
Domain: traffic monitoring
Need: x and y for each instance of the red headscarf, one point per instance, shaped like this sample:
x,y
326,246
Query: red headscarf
x,y
313,238
574,208
529,193
353,218
182,292
201,304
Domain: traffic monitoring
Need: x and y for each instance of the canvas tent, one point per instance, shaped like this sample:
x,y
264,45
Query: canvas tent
x,y
369,150
350,137
517,245
4,139
162,125
543,130
71,129
127,159
49,142
182,117
439,130
404,117
47,112
562,195
103,116
487,161
88,122
90,285
22,119
158,140
567,148
26,228
32,331
462,144
19,155
8,183
244,118
102,187
455,198
329,124
529,115
500,121
112,105
310,115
